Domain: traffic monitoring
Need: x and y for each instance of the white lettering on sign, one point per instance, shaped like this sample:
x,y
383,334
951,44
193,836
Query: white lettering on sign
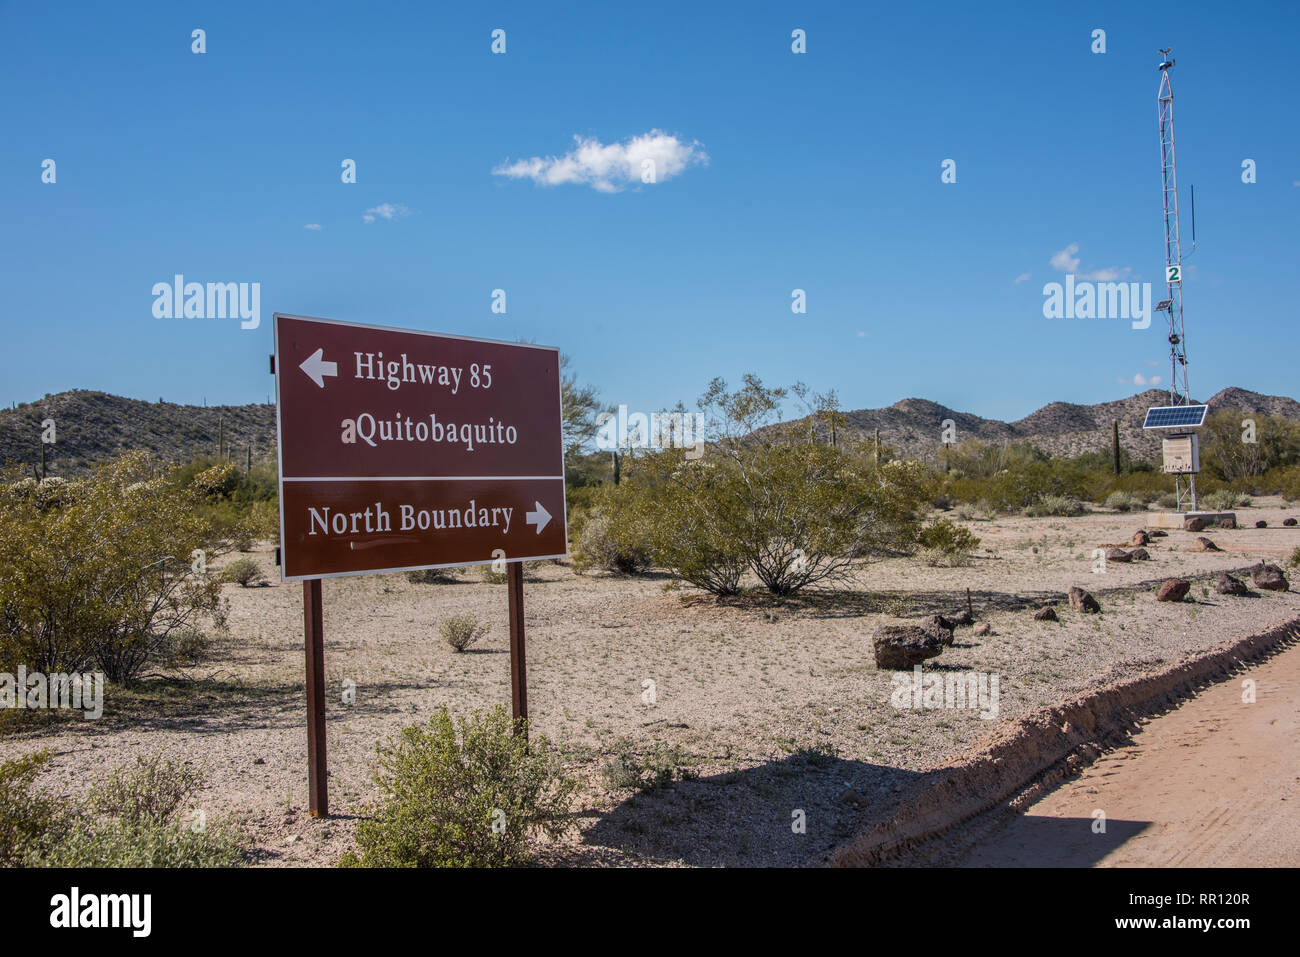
x,y
398,372
325,521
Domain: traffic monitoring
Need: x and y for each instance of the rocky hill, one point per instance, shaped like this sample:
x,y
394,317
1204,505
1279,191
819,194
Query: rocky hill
x,y
915,426
90,427
93,426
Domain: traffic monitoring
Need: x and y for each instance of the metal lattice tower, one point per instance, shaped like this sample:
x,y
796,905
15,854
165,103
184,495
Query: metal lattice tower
x,y
1179,393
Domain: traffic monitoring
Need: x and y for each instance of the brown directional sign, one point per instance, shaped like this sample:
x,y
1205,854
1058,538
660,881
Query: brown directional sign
x,y
402,449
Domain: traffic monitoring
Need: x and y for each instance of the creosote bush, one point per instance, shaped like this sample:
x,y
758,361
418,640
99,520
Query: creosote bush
x,y
98,574
463,792
245,572
29,820
944,542
432,576
138,818
1062,505
461,631
764,498
1124,502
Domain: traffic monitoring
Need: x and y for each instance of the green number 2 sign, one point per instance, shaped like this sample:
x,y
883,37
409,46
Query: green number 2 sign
x,y
1173,274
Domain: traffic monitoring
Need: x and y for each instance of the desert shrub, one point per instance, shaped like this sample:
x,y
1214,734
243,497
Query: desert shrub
x,y
183,646
464,792
149,792
1167,500
656,768
100,579
945,542
432,576
1223,499
1124,502
491,576
1225,455
763,497
28,818
133,820
1294,560
1054,505
115,843
245,571
604,542
461,631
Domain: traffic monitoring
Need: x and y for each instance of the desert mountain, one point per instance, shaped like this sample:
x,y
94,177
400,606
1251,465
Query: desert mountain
x,y
93,426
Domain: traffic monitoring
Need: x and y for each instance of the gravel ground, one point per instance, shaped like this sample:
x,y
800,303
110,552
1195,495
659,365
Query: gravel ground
x,y
772,712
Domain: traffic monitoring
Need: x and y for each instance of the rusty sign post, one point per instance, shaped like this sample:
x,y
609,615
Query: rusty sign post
x,y
402,450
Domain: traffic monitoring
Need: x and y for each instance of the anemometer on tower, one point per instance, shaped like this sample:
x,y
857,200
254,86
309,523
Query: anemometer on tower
x,y
1181,448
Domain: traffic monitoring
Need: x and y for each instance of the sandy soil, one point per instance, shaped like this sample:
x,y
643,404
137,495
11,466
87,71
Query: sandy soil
x,y
1214,783
773,708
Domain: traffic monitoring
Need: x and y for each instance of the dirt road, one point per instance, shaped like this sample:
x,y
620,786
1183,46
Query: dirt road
x,y
1214,783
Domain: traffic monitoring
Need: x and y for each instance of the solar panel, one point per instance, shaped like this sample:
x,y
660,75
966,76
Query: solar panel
x,y
1176,417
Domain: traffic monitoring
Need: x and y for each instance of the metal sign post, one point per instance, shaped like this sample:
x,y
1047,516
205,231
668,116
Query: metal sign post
x,y
403,450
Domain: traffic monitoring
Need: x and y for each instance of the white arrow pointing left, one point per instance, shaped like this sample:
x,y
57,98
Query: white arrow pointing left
x,y
317,368
539,517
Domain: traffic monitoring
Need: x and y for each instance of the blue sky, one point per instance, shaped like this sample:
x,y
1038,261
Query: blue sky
x,y
822,173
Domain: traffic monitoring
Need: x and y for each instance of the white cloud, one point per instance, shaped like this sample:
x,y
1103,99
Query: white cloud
x,y
385,211
862,335
312,226
1107,275
610,168
1140,379
1066,260
1023,277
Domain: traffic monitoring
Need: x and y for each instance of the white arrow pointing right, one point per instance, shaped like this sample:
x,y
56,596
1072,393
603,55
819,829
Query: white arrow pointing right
x,y
539,517
317,368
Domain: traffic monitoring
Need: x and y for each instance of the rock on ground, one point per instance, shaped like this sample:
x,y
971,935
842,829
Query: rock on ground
x,y
1268,576
901,647
1230,585
938,627
1046,614
1203,544
1175,589
1080,600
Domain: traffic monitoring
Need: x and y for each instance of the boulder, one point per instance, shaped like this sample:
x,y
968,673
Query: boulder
x,y
1140,555
1140,538
902,647
1261,524
1046,614
1229,585
1203,544
963,618
1228,521
1080,600
1157,533
1269,577
1117,555
1288,522
1193,524
938,627
1175,589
